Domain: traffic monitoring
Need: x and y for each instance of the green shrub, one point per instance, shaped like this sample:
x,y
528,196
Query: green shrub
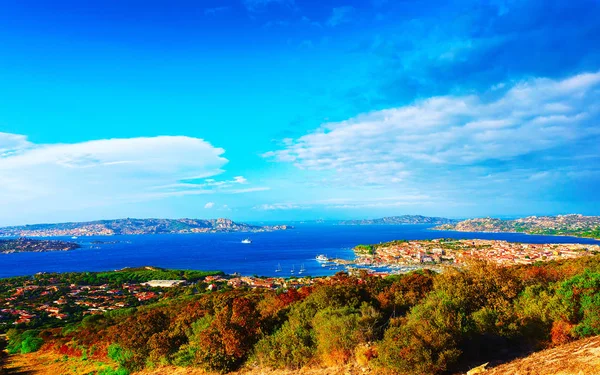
x,y
25,342
109,371
292,346
122,356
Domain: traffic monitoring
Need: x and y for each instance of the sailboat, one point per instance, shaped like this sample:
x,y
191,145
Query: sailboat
x,y
302,268
292,271
278,269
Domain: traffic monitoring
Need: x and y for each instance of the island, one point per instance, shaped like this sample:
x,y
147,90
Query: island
x,y
134,227
562,225
399,220
24,245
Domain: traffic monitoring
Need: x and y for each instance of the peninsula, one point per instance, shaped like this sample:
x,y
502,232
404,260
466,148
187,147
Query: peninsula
x,y
561,225
24,245
135,226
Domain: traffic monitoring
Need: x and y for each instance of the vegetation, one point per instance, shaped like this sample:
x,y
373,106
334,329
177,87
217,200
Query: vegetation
x,y
417,323
365,249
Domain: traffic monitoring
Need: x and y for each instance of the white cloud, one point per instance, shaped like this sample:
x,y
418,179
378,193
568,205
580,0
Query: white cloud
x,y
396,144
260,5
9,143
278,206
340,15
240,180
102,172
209,205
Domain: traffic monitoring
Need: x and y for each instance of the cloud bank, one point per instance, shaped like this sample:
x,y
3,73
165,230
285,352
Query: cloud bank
x,y
103,172
527,119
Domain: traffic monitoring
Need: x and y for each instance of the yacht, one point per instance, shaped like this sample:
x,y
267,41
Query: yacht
x,y
292,271
302,268
278,269
74,237
322,258
246,240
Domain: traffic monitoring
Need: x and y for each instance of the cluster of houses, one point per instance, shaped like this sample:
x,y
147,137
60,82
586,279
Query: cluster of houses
x,y
458,251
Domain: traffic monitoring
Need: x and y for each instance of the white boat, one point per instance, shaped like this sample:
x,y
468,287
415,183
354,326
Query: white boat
x,y
322,258
292,271
278,269
74,237
246,240
302,268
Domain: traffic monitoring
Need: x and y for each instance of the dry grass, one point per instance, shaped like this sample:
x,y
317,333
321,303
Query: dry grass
x,y
49,363
580,357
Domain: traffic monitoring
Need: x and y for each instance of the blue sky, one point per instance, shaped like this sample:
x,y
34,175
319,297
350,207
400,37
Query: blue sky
x,y
291,109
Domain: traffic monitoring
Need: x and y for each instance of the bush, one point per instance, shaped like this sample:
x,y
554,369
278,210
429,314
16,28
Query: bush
x,y
122,356
119,371
25,342
292,346
337,334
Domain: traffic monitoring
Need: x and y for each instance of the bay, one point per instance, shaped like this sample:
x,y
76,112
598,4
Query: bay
x,y
226,252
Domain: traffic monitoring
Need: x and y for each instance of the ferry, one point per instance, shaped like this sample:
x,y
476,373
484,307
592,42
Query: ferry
x,y
246,240
322,258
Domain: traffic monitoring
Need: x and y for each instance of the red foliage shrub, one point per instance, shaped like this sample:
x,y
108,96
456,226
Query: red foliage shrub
x,y
561,332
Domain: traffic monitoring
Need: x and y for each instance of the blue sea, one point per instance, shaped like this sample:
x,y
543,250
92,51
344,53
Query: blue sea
x,y
225,251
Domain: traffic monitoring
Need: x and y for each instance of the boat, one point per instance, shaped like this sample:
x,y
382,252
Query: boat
x,y
322,258
74,237
278,269
292,271
302,268
246,240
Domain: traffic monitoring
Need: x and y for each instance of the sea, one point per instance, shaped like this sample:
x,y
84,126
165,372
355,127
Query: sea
x,y
268,252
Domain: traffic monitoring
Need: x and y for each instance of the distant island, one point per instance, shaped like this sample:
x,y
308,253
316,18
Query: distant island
x,y
135,226
24,245
561,225
399,220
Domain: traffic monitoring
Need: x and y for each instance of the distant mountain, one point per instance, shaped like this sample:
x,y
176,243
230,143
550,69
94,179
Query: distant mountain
x,y
135,226
397,220
562,225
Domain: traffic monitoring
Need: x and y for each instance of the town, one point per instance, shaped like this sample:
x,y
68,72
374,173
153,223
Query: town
x,y
458,252
48,300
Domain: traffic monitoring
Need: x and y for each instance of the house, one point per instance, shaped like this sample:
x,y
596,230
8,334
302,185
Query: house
x,y
164,283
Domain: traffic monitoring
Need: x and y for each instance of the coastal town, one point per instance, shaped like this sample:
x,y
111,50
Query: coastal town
x,y
458,252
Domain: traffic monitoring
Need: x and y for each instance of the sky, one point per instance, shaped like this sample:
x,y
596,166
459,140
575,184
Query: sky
x,y
279,110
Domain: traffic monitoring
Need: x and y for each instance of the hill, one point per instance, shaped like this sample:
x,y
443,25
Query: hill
x,y
578,357
398,220
135,226
416,323
22,245
561,225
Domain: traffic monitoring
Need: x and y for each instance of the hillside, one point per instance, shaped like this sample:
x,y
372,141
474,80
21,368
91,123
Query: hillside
x,y
562,225
416,323
398,220
135,226
575,358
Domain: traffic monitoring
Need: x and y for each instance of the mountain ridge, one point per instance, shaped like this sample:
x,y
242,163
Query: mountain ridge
x,y
132,226
562,225
399,220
